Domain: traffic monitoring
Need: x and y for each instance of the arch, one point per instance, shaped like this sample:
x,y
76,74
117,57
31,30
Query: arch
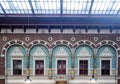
x,y
107,52
15,52
84,42
38,42
39,52
108,42
62,42
11,43
61,52
83,52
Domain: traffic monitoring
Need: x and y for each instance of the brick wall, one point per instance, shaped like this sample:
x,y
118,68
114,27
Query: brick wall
x,y
2,66
2,81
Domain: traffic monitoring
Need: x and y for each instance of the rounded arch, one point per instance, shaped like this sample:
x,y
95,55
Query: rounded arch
x,y
15,52
109,52
86,52
61,45
59,52
84,42
108,42
91,49
62,42
11,43
38,42
39,52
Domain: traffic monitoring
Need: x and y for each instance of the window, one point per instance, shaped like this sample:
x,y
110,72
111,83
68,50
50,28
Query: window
x,y
83,67
39,67
61,67
105,67
17,67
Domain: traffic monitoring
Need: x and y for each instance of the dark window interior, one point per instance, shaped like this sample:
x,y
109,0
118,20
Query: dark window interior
x,y
61,67
105,67
83,67
39,67
17,67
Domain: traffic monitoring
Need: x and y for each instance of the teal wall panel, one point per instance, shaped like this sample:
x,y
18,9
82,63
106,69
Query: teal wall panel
x,y
8,58
67,50
78,49
45,50
112,50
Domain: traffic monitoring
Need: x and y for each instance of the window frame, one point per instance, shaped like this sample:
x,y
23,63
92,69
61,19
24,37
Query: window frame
x,y
56,71
110,59
88,59
12,59
37,58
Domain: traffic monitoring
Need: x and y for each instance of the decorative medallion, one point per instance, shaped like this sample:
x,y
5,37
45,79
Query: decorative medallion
x,y
50,38
95,38
73,39
117,38
27,38
4,38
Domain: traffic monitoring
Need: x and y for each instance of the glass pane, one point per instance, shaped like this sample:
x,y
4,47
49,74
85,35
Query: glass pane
x,y
105,6
17,67
76,6
61,67
16,6
83,67
46,6
39,67
105,67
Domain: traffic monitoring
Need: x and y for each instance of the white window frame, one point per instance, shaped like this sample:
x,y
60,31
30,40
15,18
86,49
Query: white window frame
x,y
12,64
110,65
88,65
38,58
66,65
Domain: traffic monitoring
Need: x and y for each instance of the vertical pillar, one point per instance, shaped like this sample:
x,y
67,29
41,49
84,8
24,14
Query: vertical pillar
x,y
50,64
28,64
72,64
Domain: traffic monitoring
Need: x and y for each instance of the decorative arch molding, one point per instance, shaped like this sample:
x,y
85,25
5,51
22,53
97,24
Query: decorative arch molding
x,y
84,42
11,43
62,42
38,42
108,42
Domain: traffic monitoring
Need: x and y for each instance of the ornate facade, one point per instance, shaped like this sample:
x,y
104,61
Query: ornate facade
x,y
51,58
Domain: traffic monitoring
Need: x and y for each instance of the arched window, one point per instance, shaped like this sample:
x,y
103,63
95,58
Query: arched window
x,y
61,60
83,60
106,60
39,59
15,59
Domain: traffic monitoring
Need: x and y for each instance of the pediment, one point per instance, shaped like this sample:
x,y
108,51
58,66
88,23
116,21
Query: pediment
x,y
39,52
16,52
61,52
83,52
106,53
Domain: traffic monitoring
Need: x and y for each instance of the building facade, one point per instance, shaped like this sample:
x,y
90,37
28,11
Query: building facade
x,y
59,58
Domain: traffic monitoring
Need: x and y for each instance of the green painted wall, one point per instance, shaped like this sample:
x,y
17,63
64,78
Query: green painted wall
x,y
112,50
78,49
8,58
57,49
45,50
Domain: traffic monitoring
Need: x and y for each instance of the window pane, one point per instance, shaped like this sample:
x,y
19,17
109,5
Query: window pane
x,y
61,67
17,67
105,67
39,67
83,67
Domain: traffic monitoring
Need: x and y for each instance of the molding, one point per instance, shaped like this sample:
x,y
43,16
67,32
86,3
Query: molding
x,y
61,53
